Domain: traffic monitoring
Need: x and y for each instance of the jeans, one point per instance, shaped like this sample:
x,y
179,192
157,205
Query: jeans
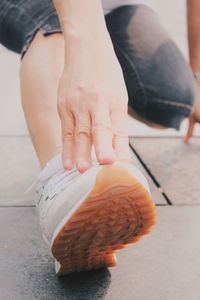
x,y
159,82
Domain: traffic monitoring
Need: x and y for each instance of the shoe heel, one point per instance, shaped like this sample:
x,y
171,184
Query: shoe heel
x,y
118,211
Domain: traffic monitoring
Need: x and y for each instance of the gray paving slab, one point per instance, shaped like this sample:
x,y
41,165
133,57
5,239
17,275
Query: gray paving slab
x,y
175,164
173,17
139,129
163,265
19,168
27,268
12,119
156,192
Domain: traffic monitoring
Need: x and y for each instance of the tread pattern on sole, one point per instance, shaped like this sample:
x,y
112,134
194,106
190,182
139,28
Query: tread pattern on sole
x,y
118,211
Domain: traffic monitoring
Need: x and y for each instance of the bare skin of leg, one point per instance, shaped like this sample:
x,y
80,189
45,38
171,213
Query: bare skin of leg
x,y
40,71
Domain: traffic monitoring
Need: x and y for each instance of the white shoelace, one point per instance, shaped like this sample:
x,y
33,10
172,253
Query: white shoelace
x,y
55,176
51,168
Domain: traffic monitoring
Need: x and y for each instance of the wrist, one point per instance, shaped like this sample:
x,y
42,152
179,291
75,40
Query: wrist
x,y
82,19
78,34
88,45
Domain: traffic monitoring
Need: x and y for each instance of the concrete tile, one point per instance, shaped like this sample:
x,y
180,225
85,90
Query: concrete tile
x,y
163,265
139,129
19,168
12,120
27,268
175,165
156,193
173,17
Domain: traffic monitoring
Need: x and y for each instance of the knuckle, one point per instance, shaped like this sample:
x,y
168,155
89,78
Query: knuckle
x,y
88,89
67,134
91,95
83,130
67,101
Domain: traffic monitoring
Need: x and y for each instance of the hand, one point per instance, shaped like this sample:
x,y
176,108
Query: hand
x,y
92,105
195,116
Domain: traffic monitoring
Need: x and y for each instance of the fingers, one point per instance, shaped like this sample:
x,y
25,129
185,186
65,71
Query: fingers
x,y
67,124
83,140
77,140
120,138
190,129
102,132
106,130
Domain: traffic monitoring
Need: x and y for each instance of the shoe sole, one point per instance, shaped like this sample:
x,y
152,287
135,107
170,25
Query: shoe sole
x,y
118,211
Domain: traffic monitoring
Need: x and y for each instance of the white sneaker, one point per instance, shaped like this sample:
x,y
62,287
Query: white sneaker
x,y
86,217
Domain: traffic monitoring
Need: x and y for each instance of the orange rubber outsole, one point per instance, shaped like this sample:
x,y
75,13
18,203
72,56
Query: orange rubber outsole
x,y
117,212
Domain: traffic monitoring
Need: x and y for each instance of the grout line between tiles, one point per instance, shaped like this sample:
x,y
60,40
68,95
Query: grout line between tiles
x,y
151,175
161,137
14,136
16,206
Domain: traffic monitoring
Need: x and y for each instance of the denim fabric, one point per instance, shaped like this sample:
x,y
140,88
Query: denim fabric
x,y
20,20
159,82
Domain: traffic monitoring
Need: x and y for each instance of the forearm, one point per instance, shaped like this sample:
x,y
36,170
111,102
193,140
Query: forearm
x,y
81,19
193,13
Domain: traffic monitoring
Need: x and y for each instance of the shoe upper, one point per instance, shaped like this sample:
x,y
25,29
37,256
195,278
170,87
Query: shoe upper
x,y
58,192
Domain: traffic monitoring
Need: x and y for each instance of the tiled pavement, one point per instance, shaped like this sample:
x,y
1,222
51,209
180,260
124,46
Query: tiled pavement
x,y
164,265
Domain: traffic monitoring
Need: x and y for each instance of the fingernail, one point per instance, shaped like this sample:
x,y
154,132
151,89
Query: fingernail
x,y
83,165
68,164
107,158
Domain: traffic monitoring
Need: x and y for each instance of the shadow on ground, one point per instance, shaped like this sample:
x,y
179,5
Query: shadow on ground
x,y
27,267
89,285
